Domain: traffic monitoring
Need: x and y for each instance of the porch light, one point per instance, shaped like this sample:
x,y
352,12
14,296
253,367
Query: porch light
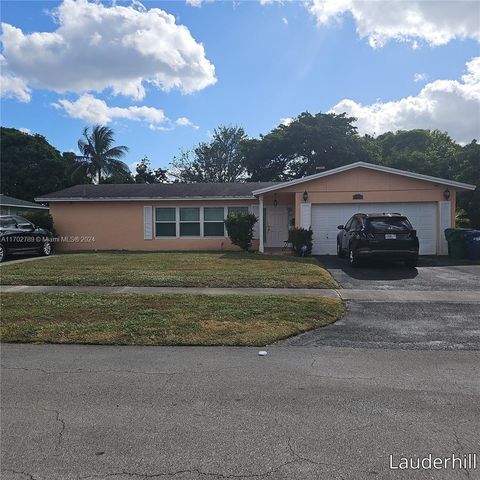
x,y
305,196
446,194
275,201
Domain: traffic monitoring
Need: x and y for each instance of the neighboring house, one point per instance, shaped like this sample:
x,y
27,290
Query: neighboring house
x,y
186,216
15,206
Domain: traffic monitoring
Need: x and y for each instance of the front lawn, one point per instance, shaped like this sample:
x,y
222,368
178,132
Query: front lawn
x,y
161,319
170,269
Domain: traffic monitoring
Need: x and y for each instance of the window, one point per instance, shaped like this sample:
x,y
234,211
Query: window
x,y
349,224
389,224
237,210
189,222
165,224
23,223
356,224
7,222
213,225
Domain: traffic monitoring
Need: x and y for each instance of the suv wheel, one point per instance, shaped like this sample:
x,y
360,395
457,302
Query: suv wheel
x,y
3,253
46,249
340,253
353,257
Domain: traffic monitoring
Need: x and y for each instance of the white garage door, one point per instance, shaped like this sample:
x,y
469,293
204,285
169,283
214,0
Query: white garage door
x,y
325,219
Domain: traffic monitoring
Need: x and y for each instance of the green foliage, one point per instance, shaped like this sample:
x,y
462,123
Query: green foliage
x,y
41,219
461,219
30,166
146,175
101,158
240,229
220,160
299,237
303,147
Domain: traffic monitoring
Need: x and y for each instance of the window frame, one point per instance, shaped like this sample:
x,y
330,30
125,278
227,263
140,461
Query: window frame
x,y
224,235
164,221
201,220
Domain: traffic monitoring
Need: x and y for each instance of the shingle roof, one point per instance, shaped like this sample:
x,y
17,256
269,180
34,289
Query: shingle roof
x,y
156,191
7,201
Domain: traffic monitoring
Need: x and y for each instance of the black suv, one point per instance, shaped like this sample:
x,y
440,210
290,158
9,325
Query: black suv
x,y
382,235
19,236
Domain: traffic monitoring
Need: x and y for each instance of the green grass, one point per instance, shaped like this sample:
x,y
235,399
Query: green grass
x,y
173,269
161,319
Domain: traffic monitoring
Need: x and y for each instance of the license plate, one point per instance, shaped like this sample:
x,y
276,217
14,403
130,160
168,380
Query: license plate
x,y
390,236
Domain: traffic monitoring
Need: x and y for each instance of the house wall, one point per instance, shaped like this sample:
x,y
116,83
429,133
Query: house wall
x,y
373,185
118,225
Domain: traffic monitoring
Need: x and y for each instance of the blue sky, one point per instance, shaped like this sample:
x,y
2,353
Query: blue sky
x,y
271,62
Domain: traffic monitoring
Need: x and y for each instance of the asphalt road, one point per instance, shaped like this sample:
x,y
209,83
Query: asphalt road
x,y
406,325
93,412
432,273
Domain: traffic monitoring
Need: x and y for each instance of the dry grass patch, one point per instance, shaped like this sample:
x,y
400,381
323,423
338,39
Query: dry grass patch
x,y
161,319
171,269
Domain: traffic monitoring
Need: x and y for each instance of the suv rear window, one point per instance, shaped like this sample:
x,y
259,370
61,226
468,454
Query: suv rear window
x,y
389,224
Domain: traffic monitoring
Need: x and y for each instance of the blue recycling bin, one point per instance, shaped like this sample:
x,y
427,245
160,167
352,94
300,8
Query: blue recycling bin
x,y
472,244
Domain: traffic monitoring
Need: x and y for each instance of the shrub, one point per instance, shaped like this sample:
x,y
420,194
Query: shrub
x,y
41,219
240,229
299,237
461,219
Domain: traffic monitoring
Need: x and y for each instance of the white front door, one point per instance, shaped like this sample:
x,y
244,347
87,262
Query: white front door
x,y
326,217
276,225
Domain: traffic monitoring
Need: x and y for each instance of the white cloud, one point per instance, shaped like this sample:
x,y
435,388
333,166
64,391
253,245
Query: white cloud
x,y
185,122
25,130
94,110
97,47
419,77
14,87
286,121
194,3
435,21
448,105
285,20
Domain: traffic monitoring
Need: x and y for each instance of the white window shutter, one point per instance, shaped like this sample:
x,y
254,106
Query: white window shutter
x,y
445,210
306,215
255,211
147,223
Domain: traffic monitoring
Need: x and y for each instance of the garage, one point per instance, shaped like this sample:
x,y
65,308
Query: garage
x,y
326,217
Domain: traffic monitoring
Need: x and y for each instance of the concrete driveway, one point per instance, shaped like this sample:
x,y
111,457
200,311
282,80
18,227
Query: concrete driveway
x,y
432,273
413,325
95,412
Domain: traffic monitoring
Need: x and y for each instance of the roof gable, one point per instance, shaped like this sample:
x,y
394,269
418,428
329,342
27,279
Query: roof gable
x,y
371,166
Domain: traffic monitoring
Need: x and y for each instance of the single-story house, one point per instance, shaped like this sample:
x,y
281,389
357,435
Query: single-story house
x,y
16,206
186,216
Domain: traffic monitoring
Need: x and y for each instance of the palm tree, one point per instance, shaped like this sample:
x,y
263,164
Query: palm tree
x,y
99,157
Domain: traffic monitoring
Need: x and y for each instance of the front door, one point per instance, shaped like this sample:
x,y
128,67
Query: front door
x,y
276,225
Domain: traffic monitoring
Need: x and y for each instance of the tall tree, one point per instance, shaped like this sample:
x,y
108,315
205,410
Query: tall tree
x,y
422,151
145,174
31,167
101,158
220,160
303,147
468,159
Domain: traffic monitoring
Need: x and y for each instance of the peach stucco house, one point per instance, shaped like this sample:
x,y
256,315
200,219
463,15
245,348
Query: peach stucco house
x,y
190,216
